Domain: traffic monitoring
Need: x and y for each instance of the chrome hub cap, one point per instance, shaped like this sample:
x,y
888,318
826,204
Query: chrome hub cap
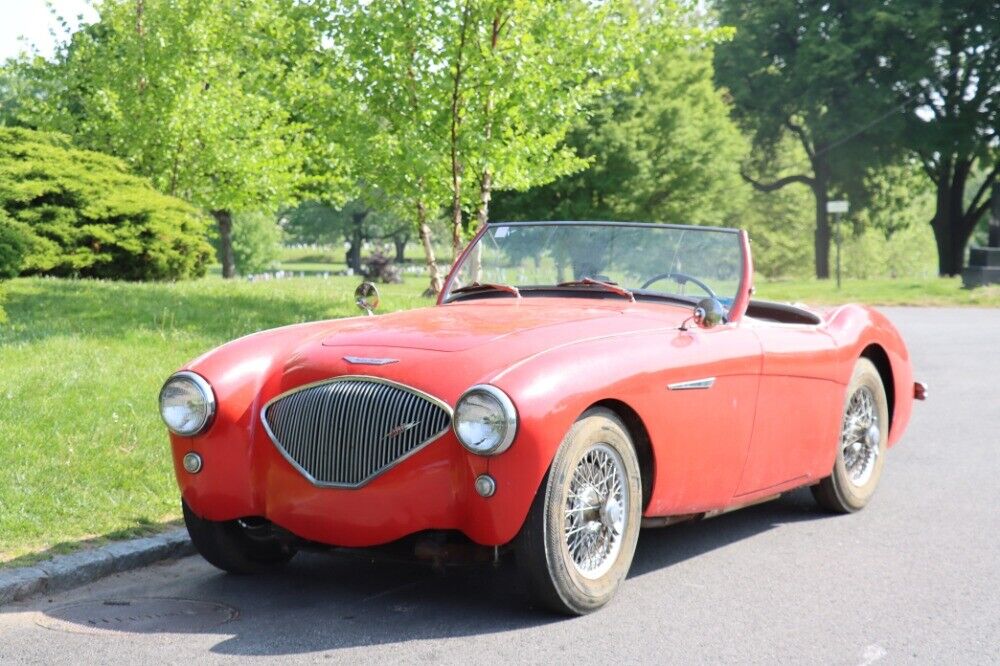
x,y
860,437
595,511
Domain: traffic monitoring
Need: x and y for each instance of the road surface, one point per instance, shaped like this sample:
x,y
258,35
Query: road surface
x,y
913,578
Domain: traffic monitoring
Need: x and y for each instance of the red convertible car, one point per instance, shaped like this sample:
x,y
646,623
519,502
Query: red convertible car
x,y
574,382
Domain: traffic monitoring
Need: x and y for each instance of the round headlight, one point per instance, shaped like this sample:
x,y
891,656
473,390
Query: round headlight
x,y
187,404
485,420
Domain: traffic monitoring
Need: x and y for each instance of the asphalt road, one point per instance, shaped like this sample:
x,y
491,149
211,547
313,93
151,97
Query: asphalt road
x,y
913,578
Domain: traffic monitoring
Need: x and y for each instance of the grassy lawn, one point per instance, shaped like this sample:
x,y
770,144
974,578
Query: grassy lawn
x,y
884,291
83,455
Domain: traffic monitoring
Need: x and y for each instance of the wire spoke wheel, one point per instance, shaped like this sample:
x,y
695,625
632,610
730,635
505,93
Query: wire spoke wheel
x,y
577,542
861,443
596,509
859,438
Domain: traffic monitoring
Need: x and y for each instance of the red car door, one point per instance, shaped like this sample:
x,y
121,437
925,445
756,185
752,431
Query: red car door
x,y
704,417
798,409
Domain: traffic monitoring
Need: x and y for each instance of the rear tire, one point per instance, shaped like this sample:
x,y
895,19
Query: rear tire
x,y
577,543
861,446
227,546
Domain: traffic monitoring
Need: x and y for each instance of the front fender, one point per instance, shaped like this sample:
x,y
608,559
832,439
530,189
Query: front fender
x,y
550,392
238,372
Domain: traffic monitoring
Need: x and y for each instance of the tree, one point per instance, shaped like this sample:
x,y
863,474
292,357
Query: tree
x,y
521,73
185,98
79,212
440,93
807,70
943,60
355,223
664,150
386,66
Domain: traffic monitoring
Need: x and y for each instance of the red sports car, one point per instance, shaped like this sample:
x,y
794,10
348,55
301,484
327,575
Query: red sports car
x,y
574,382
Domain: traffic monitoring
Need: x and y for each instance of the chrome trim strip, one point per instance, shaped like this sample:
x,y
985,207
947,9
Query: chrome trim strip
x,y
705,383
365,360
342,419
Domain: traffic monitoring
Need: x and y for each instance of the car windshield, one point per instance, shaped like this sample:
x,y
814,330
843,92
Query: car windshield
x,y
606,259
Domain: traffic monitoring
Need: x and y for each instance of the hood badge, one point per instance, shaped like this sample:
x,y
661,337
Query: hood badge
x,y
400,429
364,360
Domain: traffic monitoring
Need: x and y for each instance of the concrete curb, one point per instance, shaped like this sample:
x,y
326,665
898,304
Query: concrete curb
x,y
67,571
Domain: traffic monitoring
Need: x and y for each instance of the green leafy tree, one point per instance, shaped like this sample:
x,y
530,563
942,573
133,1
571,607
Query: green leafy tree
x,y
387,79
807,71
354,223
442,93
521,71
78,212
943,59
665,150
194,94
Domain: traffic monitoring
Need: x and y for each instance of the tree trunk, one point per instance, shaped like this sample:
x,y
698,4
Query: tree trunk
x,y
225,221
400,243
486,182
357,240
821,234
950,232
425,238
485,194
456,122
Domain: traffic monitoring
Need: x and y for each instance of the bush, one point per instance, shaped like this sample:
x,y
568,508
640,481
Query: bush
x,y
15,243
88,217
256,242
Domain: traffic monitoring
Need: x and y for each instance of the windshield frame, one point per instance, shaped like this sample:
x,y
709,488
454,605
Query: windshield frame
x,y
740,300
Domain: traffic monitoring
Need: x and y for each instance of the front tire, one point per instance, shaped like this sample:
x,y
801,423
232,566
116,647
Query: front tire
x,y
227,546
577,543
861,447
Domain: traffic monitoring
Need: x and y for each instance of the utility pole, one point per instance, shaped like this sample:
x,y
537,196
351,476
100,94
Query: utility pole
x,y
838,209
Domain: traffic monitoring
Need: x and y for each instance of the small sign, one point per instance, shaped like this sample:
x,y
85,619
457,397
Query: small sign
x,y
837,206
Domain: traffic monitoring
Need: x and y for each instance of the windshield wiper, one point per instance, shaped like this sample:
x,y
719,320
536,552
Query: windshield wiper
x,y
488,286
607,286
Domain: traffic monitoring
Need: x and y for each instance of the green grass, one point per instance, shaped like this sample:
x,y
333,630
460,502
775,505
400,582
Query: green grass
x,y
883,291
83,455
82,451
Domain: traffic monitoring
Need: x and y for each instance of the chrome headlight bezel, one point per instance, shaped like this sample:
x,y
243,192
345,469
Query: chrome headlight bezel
x,y
202,386
505,417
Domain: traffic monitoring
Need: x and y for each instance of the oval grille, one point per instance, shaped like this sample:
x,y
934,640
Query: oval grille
x,y
345,432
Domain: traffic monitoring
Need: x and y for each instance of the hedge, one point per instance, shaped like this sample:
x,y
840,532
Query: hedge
x,y
80,213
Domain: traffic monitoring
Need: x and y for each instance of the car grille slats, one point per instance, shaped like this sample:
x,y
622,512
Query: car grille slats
x,y
345,432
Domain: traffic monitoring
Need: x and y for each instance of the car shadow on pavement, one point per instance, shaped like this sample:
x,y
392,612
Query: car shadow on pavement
x,y
325,602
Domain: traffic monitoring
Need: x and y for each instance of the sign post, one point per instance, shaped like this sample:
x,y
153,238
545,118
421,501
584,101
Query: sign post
x,y
837,209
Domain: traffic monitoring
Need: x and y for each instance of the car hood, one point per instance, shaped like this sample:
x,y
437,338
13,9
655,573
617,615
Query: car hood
x,y
467,325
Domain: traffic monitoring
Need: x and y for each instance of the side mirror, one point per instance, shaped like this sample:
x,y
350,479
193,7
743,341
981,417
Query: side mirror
x,y
366,297
709,313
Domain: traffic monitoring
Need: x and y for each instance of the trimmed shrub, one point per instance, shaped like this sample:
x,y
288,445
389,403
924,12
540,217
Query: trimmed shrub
x,y
16,240
88,217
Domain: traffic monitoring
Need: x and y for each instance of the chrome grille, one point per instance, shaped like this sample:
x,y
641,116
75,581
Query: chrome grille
x,y
346,431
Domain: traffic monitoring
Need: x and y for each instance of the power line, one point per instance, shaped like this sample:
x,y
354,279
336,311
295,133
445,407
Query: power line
x,y
902,106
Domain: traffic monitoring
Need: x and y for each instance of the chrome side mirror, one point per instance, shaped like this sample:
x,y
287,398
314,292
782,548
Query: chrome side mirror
x,y
709,313
366,297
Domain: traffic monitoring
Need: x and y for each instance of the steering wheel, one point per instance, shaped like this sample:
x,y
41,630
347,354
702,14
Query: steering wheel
x,y
681,279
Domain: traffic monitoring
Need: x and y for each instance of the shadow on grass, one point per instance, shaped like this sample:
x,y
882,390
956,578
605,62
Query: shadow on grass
x,y
143,529
42,308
